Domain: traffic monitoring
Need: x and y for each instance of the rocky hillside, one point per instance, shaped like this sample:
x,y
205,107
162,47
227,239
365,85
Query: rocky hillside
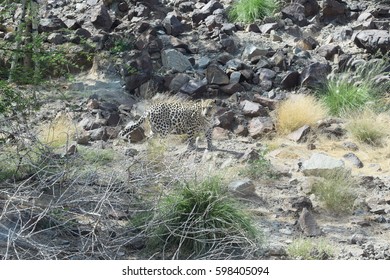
x,y
71,189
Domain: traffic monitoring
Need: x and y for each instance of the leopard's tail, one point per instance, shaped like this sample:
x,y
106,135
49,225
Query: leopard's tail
x,y
124,133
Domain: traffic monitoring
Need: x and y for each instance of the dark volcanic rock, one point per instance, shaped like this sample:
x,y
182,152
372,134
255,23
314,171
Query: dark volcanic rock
x,y
315,74
216,75
295,12
334,10
373,40
101,19
50,24
172,25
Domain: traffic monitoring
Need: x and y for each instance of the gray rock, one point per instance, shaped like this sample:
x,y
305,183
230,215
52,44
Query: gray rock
x,y
319,164
252,109
265,101
290,80
315,74
259,126
56,38
224,118
172,25
203,62
84,33
311,7
235,77
229,45
299,135
350,146
136,135
50,24
243,188
252,53
194,88
178,81
295,12
253,27
71,150
308,224
101,19
232,88
373,40
266,74
351,157
88,123
267,27
216,75
334,10
98,134
328,51
299,203
208,9
175,60
358,238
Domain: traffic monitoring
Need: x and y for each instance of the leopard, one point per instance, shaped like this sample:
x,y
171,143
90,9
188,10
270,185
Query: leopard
x,y
178,117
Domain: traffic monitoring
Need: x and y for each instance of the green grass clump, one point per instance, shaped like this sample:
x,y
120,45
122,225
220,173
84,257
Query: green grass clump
x,y
250,10
335,191
200,220
342,96
363,83
310,249
97,156
369,127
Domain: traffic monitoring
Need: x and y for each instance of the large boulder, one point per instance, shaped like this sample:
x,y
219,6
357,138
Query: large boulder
x,y
101,19
315,74
320,165
373,40
175,60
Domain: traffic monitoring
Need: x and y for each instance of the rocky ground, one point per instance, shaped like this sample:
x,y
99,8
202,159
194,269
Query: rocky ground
x,y
191,49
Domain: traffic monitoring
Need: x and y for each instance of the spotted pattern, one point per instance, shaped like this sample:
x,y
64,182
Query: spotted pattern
x,y
177,118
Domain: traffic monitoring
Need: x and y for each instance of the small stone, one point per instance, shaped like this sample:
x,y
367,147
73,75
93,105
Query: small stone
x,y
300,135
351,157
320,164
243,188
308,223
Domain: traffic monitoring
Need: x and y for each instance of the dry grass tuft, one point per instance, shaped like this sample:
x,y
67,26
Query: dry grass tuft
x,y
58,132
369,127
299,110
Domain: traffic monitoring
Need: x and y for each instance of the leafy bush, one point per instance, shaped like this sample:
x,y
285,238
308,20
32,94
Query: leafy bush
x,y
335,191
310,249
298,110
364,82
12,100
250,10
201,220
368,127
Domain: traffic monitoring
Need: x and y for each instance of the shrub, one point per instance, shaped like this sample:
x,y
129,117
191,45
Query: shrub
x,y
201,220
250,10
310,249
335,191
259,168
298,110
368,127
12,100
